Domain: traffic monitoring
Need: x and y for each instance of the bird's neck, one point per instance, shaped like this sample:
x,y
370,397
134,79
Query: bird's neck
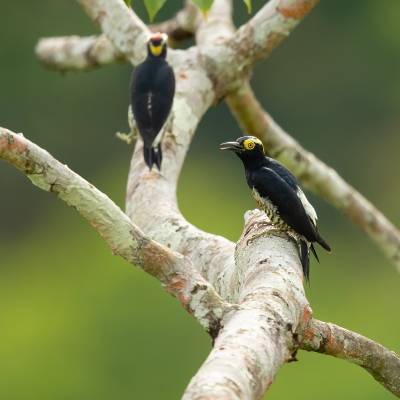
x,y
253,161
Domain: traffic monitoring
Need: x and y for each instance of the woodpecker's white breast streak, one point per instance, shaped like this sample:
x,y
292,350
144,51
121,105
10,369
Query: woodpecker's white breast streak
x,y
307,206
149,104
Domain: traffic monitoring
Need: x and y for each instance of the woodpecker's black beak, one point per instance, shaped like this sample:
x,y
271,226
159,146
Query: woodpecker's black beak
x,y
232,146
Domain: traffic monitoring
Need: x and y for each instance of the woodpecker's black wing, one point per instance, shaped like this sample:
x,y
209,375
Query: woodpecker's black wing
x,y
270,185
283,172
305,259
285,197
153,89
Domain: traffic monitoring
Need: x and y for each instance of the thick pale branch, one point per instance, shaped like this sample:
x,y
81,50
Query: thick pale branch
x,y
381,363
211,37
173,270
76,53
259,337
217,26
71,53
316,175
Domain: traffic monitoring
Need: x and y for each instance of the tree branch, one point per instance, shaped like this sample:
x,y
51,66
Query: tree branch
x,y
75,53
217,26
316,175
121,25
125,239
259,337
330,339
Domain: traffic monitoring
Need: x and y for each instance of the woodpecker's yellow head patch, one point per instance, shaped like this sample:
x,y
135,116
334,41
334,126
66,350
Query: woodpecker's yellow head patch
x,y
252,142
157,43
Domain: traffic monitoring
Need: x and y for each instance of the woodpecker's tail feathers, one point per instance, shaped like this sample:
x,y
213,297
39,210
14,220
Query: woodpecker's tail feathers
x,y
153,156
314,252
323,244
158,156
305,258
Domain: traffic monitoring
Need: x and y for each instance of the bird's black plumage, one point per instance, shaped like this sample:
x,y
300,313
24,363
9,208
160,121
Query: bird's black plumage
x,y
278,193
152,95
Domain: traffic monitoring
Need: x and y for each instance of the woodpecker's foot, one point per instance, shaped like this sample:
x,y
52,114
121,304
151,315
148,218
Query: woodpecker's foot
x,y
293,238
128,138
257,225
249,228
264,223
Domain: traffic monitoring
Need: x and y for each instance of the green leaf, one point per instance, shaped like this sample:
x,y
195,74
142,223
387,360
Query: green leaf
x,y
153,7
248,4
204,5
128,2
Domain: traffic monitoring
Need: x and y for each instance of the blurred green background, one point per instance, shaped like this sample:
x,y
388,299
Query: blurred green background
x,y
78,323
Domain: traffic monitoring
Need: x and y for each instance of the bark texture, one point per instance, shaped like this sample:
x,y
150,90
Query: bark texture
x,y
259,336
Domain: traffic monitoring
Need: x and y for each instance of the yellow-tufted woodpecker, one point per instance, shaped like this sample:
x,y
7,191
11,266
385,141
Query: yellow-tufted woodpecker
x,y
279,195
152,95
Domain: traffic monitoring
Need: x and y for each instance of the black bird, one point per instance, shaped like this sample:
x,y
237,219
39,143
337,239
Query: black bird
x,y
279,195
152,95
